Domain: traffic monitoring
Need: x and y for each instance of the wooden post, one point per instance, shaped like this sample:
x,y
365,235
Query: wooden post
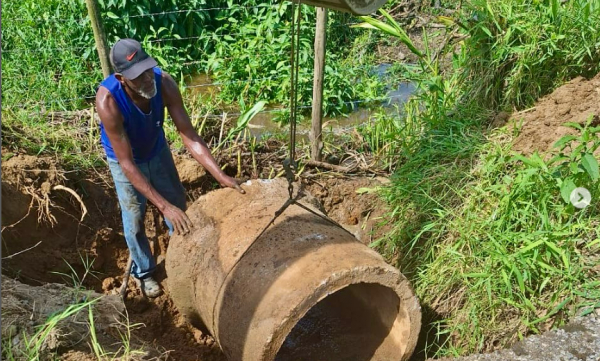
x,y
99,36
316,138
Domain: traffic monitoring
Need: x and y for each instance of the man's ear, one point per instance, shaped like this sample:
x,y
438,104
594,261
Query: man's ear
x,y
120,77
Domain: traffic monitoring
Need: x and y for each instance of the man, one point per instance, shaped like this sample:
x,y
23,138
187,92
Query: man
x,y
131,105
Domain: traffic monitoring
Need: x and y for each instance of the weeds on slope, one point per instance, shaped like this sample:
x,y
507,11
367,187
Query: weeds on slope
x,y
489,238
519,50
515,255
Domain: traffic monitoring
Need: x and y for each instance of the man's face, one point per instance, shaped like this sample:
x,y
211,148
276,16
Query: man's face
x,y
144,85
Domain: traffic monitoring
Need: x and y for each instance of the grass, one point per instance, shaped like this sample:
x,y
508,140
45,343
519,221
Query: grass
x,y
521,49
71,137
74,279
512,253
488,237
34,347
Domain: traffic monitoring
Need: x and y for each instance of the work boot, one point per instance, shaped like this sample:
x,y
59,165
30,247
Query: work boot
x,y
150,288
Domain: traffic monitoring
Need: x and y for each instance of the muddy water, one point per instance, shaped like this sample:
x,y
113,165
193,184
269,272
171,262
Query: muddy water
x,y
201,84
264,124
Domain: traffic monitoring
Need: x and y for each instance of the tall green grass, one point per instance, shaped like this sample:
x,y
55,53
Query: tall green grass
x,y
488,237
50,64
521,49
514,256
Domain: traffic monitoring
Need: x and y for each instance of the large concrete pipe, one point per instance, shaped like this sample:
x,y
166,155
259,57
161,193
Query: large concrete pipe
x,y
357,7
305,290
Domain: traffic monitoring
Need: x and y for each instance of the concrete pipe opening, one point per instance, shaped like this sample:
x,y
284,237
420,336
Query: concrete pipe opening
x,y
360,322
304,289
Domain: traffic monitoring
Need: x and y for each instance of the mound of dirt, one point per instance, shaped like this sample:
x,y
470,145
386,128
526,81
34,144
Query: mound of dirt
x,y
42,225
25,307
543,125
353,203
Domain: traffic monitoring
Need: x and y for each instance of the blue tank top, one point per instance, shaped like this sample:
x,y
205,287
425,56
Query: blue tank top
x,y
145,131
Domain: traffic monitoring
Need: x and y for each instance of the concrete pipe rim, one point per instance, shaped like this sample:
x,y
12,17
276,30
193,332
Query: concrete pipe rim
x,y
374,275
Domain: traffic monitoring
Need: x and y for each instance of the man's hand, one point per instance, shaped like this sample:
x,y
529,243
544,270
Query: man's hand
x,y
228,182
181,223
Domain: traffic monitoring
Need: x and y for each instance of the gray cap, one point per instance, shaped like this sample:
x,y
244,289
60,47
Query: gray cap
x,y
128,58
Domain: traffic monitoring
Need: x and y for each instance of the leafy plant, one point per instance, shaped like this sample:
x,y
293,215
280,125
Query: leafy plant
x,y
575,165
242,122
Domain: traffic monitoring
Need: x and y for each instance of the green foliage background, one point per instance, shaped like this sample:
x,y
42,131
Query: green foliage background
x,y
49,59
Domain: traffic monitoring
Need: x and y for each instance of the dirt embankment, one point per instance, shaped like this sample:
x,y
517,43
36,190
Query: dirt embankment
x,y
44,236
25,307
578,101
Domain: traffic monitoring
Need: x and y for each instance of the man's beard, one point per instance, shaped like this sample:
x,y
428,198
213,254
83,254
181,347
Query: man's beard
x,y
148,95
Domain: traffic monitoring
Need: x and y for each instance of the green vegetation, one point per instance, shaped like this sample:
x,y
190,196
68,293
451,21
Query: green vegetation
x,y
245,46
39,344
50,64
519,50
35,347
489,237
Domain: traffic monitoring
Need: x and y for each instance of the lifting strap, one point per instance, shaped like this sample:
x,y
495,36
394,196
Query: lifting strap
x,y
289,164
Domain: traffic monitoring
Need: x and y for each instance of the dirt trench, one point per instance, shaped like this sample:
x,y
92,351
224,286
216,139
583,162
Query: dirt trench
x,y
43,236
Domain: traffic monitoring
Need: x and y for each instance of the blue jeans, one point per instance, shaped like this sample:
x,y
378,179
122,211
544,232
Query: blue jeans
x,y
160,171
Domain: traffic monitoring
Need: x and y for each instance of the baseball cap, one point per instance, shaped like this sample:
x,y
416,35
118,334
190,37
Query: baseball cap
x,y
129,59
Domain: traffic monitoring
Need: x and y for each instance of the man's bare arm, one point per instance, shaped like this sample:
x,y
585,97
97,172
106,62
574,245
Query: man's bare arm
x,y
192,141
112,119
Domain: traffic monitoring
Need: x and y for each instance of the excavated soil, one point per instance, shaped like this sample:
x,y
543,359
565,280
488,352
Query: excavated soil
x,y
354,203
543,125
26,307
43,236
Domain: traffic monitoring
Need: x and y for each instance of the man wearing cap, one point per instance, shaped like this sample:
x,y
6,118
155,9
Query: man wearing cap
x,y
131,105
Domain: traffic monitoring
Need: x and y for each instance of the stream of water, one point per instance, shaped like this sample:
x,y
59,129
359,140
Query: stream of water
x,y
263,124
